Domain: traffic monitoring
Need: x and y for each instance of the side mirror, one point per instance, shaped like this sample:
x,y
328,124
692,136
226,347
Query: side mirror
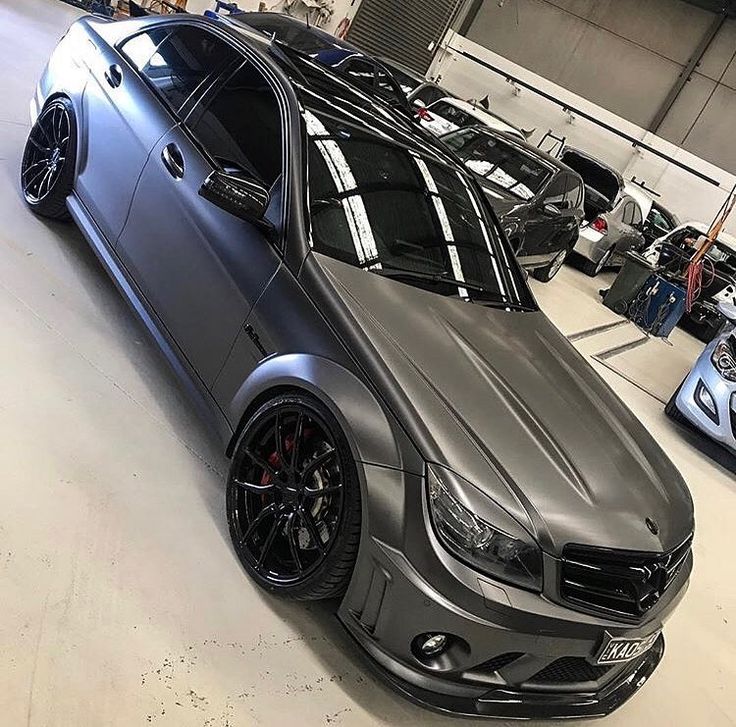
x,y
552,210
240,196
728,310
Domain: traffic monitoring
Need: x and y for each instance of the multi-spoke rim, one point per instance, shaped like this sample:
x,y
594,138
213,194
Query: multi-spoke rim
x,y
46,152
286,494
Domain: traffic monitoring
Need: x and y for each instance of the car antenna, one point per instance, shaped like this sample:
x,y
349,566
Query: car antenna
x,y
309,25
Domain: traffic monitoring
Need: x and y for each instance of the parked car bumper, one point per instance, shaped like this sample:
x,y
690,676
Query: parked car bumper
x,y
591,244
719,425
512,653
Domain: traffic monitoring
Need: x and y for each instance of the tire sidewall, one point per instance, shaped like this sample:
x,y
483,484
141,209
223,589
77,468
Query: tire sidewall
x,y
54,203
350,519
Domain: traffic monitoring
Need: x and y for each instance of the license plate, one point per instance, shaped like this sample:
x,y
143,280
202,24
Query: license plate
x,y
616,650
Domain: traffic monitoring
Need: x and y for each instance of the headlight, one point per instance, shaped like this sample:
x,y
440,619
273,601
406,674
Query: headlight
x,y
510,558
724,359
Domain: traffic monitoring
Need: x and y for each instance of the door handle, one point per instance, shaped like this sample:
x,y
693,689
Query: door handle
x,y
173,160
114,75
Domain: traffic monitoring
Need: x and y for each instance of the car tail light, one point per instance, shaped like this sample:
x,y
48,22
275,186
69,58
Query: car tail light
x,y
424,115
600,225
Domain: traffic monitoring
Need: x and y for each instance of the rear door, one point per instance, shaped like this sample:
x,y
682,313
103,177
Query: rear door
x,y
546,219
629,236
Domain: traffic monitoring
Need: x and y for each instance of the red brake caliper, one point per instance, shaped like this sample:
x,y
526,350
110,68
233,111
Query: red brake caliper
x,y
274,460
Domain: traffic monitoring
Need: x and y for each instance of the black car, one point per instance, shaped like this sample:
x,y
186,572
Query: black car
x,y
539,200
365,71
409,433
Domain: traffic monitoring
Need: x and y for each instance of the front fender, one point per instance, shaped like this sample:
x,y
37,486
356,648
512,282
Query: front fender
x,y
374,435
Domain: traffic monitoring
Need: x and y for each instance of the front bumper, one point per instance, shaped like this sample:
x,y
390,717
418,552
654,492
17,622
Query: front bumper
x,y
513,653
723,394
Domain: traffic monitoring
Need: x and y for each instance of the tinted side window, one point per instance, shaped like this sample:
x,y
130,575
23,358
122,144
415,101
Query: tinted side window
x,y
362,72
428,95
241,126
574,194
555,192
176,60
452,113
628,215
636,218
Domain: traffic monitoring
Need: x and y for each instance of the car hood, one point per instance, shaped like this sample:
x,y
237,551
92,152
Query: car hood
x,y
502,399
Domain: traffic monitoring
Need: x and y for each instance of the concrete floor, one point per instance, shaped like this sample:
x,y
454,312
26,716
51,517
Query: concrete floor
x,y
121,602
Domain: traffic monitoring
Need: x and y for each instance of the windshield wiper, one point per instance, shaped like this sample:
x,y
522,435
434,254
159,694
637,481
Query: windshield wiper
x,y
488,297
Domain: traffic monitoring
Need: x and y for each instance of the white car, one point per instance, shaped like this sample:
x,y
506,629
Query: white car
x,y
450,114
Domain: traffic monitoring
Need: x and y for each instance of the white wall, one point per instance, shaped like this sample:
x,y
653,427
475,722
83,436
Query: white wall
x,y
683,193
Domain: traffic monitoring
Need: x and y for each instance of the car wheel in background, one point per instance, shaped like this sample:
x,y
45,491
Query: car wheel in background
x,y
591,268
47,167
548,272
293,500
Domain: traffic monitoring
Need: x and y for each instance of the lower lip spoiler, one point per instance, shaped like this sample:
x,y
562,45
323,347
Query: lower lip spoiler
x,y
510,703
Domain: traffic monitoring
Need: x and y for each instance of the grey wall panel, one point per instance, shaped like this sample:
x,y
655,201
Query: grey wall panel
x,y
712,137
686,108
626,55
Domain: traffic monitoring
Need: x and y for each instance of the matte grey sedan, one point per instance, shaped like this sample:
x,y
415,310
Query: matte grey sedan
x,y
409,434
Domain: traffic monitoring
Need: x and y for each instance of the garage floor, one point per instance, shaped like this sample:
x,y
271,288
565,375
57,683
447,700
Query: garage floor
x,y
121,602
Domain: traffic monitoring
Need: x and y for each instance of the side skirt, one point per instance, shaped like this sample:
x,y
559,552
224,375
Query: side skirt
x,y
206,405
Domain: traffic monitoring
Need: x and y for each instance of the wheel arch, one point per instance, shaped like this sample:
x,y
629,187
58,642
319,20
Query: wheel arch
x,y
374,435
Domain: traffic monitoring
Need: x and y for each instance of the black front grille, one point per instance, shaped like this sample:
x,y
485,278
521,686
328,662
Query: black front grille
x,y
621,582
570,670
498,662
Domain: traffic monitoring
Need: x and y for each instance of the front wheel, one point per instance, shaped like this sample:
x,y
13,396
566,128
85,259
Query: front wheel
x,y
47,167
549,271
293,500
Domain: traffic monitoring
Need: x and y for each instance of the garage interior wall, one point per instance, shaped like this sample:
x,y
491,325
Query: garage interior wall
x,y
626,56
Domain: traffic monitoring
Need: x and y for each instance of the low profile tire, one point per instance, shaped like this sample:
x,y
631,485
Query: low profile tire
x,y
293,500
545,274
47,167
591,268
673,412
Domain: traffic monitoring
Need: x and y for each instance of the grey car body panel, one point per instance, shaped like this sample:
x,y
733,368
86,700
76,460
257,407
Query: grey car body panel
x,y
504,400
497,396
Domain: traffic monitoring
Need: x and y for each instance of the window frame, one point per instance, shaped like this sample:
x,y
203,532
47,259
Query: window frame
x,y
209,86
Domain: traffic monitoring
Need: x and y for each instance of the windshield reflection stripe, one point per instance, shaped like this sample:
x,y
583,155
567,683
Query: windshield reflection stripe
x,y
491,250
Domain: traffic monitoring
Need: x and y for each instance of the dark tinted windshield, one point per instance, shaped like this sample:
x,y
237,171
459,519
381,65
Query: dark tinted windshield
x,y
408,83
500,162
380,206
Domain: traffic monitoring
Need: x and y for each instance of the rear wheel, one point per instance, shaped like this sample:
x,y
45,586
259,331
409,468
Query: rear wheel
x,y
591,268
549,271
293,500
47,167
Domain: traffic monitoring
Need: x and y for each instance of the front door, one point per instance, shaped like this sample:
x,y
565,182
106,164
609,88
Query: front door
x,y
199,267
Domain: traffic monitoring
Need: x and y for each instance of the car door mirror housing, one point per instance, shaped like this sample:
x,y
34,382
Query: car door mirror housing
x,y
728,311
241,196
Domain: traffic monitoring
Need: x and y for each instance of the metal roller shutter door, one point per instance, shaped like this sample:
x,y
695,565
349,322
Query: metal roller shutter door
x,y
406,31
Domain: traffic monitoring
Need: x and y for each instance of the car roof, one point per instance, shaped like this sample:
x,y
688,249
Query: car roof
x,y
724,238
553,163
485,117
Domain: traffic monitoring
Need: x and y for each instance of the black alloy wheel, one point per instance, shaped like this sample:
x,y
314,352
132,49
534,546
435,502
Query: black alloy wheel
x,y
293,500
47,168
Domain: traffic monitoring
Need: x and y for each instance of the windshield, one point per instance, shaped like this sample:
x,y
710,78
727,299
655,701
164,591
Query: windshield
x,y
406,82
500,162
383,207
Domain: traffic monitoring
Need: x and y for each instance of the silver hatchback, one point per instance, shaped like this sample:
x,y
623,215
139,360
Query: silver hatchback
x,y
706,399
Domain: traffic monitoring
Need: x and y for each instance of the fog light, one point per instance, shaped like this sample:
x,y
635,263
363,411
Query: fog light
x,y
704,400
434,644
